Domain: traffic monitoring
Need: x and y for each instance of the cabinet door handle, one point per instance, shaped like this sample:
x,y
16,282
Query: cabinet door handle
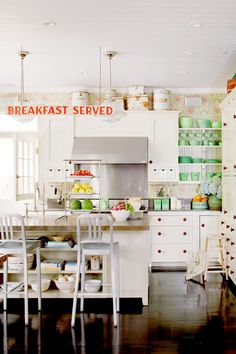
x,y
224,168
227,267
231,258
224,124
231,272
232,243
159,233
222,234
234,217
227,252
203,225
159,219
222,222
227,226
225,211
184,251
232,229
227,239
184,233
234,167
150,161
184,219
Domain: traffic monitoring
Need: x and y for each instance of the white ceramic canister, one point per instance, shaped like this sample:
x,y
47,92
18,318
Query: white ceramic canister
x,y
161,99
80,98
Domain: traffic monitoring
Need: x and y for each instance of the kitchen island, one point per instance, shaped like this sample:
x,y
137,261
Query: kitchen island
x,y
135,251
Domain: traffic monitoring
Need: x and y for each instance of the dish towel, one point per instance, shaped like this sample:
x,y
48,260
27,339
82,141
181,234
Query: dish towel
x,y
197,267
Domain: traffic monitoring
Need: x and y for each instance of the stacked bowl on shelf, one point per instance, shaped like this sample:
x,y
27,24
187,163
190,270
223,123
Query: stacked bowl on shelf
x,y
16,261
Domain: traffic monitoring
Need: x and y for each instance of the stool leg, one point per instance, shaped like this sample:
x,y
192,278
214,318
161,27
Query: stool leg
x,y
75,297
5,273
114,291
26,303
39,278
206,266
117,277
223,258
82,282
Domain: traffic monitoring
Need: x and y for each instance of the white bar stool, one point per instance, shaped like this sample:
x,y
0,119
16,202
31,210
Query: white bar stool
x,y
215,243
93,245
11,245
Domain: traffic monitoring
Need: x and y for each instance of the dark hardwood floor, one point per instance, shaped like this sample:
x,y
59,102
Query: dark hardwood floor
x,y
181,318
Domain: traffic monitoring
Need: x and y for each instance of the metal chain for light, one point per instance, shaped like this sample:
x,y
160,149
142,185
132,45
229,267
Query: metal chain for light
x,y
22,55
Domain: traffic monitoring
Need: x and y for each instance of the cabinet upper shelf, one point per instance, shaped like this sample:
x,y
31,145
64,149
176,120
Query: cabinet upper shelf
x,y
201,129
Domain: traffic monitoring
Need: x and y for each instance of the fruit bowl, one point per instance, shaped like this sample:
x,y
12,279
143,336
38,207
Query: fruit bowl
x,y
200,205
120,215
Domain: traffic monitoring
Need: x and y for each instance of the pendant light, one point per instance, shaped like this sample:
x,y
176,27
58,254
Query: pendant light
x,y
23,118
118,110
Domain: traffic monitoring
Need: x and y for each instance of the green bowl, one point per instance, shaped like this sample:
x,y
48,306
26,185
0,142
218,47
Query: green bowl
x,y
185,159
212,143
216,125
183,176
195,176
185,122
200,205
195,142
209,175
212,161
182,142
204,123
197,160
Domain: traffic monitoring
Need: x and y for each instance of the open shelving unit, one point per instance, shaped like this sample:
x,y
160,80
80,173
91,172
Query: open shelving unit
x,y
202,151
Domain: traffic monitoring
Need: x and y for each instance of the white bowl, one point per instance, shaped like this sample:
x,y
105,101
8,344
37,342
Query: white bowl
x,y
45,283
18,258
92,285
120,215
65,286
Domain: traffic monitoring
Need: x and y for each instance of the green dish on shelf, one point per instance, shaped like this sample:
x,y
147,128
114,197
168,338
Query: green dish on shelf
x,y
212,161
185,159
216,125
204,123
185,122
197,160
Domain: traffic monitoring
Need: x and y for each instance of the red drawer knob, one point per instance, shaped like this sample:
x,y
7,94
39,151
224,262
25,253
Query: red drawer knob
x,y
225,211
184,219
224,168
234,167
158,251
234,217
231,258
222,234
224,124
227,267
184,233
184,251
203,225
159,219
231,272
159,233
227,226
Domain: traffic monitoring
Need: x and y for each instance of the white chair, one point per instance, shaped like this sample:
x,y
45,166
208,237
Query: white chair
x,y
215,243
93,245
9,244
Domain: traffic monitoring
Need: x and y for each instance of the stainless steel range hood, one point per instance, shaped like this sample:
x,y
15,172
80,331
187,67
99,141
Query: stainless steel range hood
x,y
111,150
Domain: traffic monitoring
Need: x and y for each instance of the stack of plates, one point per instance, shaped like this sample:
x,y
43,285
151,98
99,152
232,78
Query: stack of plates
x,y
15,261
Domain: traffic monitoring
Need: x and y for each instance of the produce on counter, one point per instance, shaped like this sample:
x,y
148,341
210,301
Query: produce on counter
x,y
123,206
82,173
82,188
87,204
75,204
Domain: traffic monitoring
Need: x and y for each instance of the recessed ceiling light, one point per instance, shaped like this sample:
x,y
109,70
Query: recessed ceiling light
x,y
49,23
195,24
188,53
84,72
182,72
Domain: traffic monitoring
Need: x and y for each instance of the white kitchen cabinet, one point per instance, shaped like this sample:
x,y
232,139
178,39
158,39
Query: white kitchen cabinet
x,y
228,222
209,225
163,147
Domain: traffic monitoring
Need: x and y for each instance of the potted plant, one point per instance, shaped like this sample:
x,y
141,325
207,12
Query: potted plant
x,y
213,188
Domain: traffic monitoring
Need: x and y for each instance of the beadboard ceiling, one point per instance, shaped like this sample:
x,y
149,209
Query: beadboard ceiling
x,y
153,39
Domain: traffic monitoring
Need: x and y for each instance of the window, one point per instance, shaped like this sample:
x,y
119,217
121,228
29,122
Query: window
x,y
18,167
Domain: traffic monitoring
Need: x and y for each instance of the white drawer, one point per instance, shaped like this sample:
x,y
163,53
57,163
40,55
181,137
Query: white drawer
x,y
171,252
171,220
171,234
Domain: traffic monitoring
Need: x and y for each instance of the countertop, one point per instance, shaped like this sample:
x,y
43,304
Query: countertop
x,y
68,224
